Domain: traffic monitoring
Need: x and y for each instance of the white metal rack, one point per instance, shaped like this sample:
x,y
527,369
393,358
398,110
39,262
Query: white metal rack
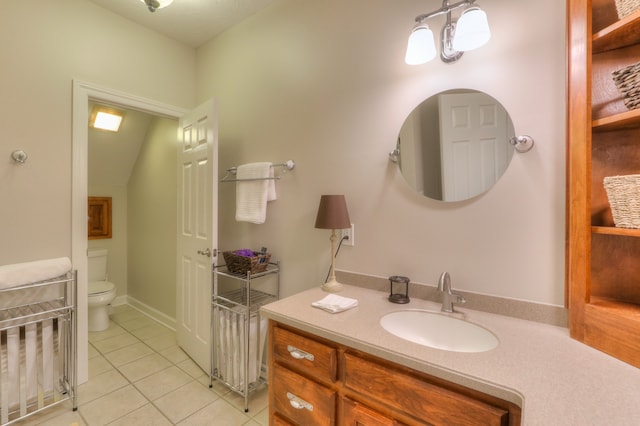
x,y
37,347
237,331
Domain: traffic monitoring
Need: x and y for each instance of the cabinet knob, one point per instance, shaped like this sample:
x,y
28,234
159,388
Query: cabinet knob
x,y
299,353
298,403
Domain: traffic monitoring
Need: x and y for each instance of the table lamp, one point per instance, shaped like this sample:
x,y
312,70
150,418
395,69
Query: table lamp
x,y
333,214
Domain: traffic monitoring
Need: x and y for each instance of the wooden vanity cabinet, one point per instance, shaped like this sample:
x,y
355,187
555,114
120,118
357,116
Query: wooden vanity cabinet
x,y
603,262
313,381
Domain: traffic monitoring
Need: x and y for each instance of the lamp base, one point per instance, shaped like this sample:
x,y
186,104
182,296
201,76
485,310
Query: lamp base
x,y
332,286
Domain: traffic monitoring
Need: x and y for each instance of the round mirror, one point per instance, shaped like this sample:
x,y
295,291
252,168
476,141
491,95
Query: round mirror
x,y
455,145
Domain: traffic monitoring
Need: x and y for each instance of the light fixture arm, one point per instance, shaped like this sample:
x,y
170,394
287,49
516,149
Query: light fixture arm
x,y
447,53
446,8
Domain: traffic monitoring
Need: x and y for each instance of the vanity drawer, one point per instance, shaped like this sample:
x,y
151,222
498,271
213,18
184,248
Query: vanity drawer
x,y
355,414
305,355
301,400
424,401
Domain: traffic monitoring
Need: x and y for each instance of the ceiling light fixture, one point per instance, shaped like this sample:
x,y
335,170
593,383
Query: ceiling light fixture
x,y
469,32
154,5
106,119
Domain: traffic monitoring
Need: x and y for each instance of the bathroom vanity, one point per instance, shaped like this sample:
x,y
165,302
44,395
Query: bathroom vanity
x,y
319,382
362,374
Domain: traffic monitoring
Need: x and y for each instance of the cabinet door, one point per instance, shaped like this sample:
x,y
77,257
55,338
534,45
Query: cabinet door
x,y
355,414
418,398
279,421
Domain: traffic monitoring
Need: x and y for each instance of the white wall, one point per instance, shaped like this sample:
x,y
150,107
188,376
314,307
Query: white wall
x,y
324,83
45,45
152,218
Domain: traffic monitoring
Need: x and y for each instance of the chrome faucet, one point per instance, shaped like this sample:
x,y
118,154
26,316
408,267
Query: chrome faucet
x,y
448,297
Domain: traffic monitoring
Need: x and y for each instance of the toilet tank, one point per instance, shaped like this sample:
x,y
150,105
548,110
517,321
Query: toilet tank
x,y
97,264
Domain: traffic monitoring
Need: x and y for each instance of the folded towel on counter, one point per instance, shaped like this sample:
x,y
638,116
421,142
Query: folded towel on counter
x,y
334,303
30,272
254,187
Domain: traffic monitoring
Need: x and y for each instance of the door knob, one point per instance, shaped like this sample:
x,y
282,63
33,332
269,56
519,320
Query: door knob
x,y
206,252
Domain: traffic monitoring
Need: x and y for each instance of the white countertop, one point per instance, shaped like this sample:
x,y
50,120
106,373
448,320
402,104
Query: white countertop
x,y
553,378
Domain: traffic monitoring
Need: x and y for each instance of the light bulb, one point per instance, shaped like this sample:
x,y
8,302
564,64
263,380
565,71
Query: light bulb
x,y
421,46
472,30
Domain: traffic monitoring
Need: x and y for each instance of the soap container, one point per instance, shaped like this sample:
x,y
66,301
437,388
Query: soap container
x,y
403,284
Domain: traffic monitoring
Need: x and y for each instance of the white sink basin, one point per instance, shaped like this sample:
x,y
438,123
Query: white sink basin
x,y
439,331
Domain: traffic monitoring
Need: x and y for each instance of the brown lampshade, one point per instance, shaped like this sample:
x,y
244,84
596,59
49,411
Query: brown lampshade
x,y
332,213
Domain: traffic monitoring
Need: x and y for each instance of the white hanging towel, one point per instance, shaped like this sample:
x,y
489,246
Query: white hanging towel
x,y
253,190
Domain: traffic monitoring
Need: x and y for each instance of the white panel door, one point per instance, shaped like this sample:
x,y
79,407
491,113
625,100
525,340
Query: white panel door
x,y
197,230
474,144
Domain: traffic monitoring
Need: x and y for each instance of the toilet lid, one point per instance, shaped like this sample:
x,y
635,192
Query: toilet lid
x,y
99,287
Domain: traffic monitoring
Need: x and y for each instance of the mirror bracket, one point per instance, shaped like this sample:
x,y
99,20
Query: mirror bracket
x,y
522,143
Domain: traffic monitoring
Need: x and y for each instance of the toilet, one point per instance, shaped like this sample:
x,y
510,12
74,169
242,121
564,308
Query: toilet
x,y
101,292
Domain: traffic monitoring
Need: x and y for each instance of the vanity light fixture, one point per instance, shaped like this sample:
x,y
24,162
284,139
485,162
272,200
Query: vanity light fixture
x,y
469,32
333,214
154,5
106,119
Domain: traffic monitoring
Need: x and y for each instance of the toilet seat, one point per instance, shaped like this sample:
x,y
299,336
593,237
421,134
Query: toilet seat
x,y
97,288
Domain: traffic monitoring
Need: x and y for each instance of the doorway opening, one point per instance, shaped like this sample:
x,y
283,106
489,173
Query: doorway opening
x,y
83,93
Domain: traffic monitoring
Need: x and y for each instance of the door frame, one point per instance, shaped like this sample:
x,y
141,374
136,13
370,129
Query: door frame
x,y
84,92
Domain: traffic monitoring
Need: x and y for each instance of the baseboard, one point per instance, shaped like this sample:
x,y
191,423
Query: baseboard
x,y
119,300
151,312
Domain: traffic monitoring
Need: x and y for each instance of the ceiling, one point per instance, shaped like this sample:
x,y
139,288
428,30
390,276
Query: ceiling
x,y
192,22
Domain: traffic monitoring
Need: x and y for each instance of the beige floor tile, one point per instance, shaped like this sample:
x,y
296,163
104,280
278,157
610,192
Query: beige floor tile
x,y
262,417
125,313
149,331
221,411
108,397
258,400
147,415
137,323
112,406
185,401
174,354
113,330
98,365
128,354
100,385
191,368
162,382
47,416
163,341
218,387
68,418
93,352
114,343
144,367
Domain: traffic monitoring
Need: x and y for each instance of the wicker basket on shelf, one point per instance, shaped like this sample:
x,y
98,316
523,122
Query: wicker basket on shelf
x,y
624,198
626,7
238,264
627,81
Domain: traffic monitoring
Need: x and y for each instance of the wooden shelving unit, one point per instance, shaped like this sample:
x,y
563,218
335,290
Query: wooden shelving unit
x,y
603,262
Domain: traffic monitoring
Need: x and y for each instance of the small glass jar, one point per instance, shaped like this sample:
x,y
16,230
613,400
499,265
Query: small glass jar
x,y
399,297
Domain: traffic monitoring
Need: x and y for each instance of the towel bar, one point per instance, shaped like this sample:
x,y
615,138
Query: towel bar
x,y
288,165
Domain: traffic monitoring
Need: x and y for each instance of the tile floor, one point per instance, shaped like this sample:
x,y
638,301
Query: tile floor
x,y
139,376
